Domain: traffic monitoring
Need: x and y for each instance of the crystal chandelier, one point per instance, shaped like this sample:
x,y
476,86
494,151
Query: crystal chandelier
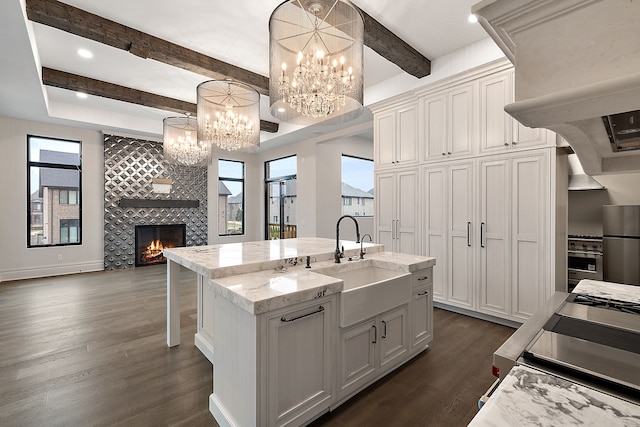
x,y
316,57
229,115
181,145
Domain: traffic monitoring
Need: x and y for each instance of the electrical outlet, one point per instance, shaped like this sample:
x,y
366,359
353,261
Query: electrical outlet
x,y
59,257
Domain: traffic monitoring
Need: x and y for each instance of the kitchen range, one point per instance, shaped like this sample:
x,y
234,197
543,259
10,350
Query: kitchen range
x,y
585,259
576,360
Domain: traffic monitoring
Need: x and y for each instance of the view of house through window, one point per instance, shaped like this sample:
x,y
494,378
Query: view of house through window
x,y
357,186
280,182
54,193
230,197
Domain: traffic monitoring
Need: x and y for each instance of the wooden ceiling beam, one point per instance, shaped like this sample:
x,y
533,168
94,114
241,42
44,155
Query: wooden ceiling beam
x,y
84,24
74,82
381,40
88,25
393,48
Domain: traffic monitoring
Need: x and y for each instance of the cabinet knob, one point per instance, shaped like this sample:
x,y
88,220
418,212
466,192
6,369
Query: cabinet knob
x,y
506,144
449,152
444,154
514,143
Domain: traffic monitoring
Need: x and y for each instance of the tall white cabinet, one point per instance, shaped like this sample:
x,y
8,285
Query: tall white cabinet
x,y
396,181
396,210
483,194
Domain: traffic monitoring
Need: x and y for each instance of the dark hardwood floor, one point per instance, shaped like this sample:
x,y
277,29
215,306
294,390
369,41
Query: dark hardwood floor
x,y
89,350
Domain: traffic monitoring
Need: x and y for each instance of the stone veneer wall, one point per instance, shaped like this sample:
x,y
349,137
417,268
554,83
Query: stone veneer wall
x,y
129,166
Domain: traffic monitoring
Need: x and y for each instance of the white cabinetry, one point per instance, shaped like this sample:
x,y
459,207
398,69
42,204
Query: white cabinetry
x,y
396,215
448,223
496,91
396,136
299,362
498,130
514,212
447,123
370,348
421,310
275,368
498,218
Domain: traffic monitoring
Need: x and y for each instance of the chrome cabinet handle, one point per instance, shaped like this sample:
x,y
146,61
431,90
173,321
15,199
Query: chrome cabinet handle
x,y
291,319
384,331
468,234
375,334
481,234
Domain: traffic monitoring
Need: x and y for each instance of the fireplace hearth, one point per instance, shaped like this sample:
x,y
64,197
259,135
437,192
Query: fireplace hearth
x,y
151,240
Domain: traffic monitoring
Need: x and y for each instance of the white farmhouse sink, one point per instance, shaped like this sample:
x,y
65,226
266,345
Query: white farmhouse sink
x,y
369,291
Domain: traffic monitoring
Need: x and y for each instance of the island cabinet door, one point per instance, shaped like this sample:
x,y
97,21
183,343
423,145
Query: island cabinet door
x,y
393,337
421,317
299,369
357,364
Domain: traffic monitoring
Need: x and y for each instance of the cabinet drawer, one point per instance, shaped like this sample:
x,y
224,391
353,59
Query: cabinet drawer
x,y
421,277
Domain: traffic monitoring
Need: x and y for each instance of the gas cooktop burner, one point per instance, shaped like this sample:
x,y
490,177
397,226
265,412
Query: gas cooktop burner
x,y
607,303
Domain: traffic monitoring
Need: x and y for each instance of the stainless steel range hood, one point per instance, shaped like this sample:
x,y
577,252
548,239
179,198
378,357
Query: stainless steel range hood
x,y
577,67
578,180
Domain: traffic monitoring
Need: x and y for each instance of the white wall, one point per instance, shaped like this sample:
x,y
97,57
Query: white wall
x,y
16,260
585,207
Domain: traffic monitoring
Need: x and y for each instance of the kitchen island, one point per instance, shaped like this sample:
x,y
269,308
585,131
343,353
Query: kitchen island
x,y
283,345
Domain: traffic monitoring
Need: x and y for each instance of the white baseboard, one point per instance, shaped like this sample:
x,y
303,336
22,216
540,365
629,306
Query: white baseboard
x,y
50,270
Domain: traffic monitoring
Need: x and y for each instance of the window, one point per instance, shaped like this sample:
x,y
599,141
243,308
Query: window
x,y
280,187
54,168
357,183
230,197
68,197
69,229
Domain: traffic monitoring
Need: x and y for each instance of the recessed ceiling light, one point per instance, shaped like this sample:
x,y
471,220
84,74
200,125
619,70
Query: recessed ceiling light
x,y
85,53
81,95
472,18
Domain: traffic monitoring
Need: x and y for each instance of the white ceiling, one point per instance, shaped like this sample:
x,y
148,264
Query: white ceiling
x,y
234,32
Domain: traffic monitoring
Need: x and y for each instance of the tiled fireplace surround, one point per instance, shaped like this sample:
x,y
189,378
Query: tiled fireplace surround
x,y
129,166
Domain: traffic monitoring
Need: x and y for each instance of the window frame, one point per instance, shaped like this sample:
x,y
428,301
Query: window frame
x,y
268,180
40,164
242,181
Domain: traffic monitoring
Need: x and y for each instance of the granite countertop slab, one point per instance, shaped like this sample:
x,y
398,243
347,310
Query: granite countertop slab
x,y
215,261
609,290
266,290
528,397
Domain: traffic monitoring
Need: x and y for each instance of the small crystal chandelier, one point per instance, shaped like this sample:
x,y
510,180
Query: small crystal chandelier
x,y
228,115
315,61
181,145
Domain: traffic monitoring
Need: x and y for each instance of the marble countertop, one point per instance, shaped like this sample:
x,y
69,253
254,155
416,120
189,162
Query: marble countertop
x,y
229,259
266,290
609,290
266,275
528,397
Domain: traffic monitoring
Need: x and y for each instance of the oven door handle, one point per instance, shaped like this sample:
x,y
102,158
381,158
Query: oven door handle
x,y
584,253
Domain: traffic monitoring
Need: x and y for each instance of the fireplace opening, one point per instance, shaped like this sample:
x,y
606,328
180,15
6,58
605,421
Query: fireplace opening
x,y
151,240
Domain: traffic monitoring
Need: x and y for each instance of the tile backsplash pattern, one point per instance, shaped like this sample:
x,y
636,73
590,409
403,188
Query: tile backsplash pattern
x,y
129,166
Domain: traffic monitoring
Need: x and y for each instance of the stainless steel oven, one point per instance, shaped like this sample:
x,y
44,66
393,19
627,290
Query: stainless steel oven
x,y
585,259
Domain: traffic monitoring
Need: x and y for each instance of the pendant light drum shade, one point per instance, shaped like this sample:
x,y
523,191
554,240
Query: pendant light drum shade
x,y
228,115
180,142
316,61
